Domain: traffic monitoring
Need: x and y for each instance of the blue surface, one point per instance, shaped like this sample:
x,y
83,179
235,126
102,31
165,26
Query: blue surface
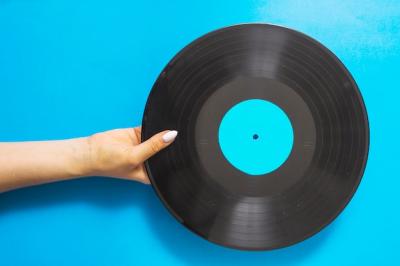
x,y
71,68
255,146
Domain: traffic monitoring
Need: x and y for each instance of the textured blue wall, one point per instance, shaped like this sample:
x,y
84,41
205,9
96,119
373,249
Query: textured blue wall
x,y
71,68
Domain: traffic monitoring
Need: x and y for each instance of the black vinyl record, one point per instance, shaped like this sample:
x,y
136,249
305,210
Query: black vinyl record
x,y
215,195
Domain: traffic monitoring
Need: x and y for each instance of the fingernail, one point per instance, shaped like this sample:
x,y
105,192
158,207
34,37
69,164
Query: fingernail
x,y
169,136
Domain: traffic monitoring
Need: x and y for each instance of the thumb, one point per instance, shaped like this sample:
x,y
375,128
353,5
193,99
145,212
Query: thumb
x,y
156,143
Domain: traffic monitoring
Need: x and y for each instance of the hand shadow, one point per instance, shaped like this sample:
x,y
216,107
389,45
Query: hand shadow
x,y
173,237
104,192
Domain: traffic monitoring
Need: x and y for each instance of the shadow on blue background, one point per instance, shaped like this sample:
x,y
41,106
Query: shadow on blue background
x,y
182,244
72,68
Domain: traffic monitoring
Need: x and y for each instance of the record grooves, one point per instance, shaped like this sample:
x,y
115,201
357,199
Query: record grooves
x,y
219,180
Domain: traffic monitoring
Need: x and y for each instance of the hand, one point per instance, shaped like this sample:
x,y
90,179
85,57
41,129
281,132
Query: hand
x,y
120,153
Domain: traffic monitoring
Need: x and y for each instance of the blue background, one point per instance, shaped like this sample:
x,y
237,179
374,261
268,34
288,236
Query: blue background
x,y
72,68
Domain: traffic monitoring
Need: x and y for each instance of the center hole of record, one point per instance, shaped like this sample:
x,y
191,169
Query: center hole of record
x,y
255,155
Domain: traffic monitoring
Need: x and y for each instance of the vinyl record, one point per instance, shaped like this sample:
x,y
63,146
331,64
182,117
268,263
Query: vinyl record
x,y
273,136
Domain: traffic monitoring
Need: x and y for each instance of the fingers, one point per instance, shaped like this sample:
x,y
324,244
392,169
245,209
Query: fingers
x,y
156,143
141,176
138,132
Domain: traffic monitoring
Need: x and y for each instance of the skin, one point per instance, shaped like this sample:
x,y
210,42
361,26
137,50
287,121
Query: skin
x,y
116,153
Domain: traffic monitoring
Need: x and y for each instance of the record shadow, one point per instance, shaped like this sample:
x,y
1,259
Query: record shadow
x,y
193,250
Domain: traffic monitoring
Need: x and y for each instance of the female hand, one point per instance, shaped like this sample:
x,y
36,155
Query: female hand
x,y
116,153
119,153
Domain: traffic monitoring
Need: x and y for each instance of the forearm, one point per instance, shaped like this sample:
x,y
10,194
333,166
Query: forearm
x,y
30,163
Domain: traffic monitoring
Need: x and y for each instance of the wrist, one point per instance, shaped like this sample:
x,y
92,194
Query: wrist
x,y
82,158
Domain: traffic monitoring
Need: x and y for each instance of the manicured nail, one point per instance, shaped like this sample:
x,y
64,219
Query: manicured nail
x,y
169,136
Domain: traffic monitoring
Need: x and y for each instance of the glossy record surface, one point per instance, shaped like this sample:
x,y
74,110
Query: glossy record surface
x,y
293,71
